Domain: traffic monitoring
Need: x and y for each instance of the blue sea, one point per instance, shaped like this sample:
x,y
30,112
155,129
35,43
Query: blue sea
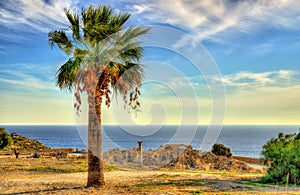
x,y
245,140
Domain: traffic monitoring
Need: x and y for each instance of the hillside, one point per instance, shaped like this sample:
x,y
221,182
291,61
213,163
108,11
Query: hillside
x,y
22,143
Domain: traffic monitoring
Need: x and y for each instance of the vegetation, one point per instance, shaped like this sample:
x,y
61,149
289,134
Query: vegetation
x,y
49,165
19,142
124,180
103,57
191,182
24,143
221,150
5,139
282,154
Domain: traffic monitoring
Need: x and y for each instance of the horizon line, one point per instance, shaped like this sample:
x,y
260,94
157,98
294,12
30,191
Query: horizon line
x,y
170,124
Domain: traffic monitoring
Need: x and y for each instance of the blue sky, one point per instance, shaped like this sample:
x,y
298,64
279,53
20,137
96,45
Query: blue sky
x,y
255,46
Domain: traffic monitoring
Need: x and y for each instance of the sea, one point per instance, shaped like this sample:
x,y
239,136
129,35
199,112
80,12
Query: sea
x,y
243,140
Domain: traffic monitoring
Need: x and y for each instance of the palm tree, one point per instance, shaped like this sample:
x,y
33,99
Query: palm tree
x,y
102,57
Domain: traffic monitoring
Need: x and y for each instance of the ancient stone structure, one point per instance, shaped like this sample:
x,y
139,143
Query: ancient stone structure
x,y
178,156
159,157
194,159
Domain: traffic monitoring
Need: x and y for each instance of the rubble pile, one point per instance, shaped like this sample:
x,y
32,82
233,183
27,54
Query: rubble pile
x,y
159,157
178,156
195,159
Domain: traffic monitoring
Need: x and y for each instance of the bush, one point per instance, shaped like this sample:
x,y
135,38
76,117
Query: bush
x,y
282,154
36,155
221,150
5,139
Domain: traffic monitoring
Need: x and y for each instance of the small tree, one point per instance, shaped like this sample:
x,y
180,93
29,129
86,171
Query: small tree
x,y
221,150
5,139
282,154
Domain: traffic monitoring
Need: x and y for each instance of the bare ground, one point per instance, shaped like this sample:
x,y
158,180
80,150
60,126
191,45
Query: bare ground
x,y
18,176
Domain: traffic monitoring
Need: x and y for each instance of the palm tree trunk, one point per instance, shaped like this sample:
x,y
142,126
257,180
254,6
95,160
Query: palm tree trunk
x,y
95,153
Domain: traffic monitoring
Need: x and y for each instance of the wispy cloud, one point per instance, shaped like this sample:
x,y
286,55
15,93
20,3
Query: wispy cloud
x,y
216,20
26,82
33,15
2,49
269,97
246,80
263,48
206,20
235,83
28,77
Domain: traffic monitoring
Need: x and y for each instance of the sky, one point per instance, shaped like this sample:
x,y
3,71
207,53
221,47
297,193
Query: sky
x,y
206,62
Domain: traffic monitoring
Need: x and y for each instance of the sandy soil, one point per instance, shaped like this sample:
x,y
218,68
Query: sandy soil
x,y
130,180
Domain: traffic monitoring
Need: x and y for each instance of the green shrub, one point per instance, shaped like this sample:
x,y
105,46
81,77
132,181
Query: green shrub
x,y
282,154
5,139
221,150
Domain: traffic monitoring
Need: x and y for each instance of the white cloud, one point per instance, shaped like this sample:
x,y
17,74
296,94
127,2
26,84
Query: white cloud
x,y
28,77
214,19
27,82
279,78
286,74
140,8
263,48
34,15
206,20
266,105
269,97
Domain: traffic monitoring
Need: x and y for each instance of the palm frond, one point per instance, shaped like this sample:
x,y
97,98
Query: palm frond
x,y
133,54
100,45
126,76
128,44
74,24
59,38
66,74
80,53
133,32
119,19
100,23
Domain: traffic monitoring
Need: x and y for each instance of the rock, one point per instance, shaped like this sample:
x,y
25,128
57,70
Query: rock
x,y
159,157
194,159
177,156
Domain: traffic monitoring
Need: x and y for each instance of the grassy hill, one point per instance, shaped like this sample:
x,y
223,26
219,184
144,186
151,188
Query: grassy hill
x,y
21,143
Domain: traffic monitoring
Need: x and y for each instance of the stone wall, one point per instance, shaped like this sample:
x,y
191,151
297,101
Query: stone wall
x,y
159,157
248,159
178,156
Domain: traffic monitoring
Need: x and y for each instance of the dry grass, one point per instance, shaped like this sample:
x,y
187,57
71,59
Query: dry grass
x,y
51,165
68,176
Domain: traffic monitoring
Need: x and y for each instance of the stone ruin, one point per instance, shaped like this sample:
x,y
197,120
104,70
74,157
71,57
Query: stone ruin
x,y
159,157
195,159
178,156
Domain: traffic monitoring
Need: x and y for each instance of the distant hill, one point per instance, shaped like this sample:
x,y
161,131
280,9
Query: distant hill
x,y
23,143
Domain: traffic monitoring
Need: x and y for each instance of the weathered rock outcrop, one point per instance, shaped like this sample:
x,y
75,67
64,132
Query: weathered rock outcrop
x,y
159,157
194,159
177,155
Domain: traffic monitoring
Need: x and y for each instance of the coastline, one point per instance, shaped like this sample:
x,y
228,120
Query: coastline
x,y
67,174
244,141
